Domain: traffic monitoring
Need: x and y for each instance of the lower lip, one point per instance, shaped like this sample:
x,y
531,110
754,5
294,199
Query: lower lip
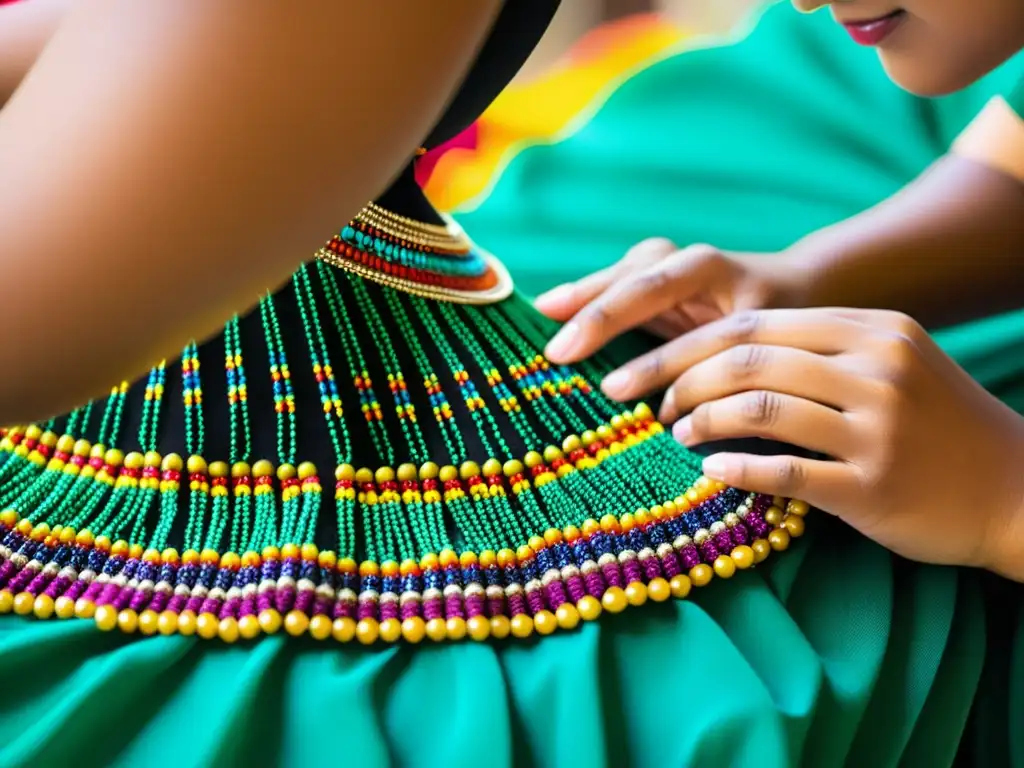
x,y
874,32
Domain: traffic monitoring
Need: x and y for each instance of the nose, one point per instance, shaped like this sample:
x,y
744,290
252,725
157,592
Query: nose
x,y
809,6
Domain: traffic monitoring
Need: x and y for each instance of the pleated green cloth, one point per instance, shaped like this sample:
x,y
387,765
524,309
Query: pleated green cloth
x,y
834,653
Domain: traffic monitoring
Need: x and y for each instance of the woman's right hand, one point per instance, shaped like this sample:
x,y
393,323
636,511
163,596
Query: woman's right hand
x,y
666,291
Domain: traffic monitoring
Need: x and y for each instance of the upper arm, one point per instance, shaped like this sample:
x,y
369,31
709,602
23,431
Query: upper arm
x,y
996,136
165,162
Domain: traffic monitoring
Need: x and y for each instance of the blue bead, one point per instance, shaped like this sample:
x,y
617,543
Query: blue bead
x,y
307,570
224,579
390,584
433,580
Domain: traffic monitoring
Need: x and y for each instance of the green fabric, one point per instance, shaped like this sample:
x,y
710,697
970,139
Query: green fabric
x,y
833,653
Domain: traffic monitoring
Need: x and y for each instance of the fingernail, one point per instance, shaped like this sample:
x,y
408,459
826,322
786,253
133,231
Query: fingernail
x,y
561,347
618,384
683,430
554,296
668,407
716,467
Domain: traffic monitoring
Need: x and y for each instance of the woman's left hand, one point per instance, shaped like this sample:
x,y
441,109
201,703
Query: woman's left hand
x,y
924,461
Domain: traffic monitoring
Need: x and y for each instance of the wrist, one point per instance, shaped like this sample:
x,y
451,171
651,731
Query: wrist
x,y
1006,547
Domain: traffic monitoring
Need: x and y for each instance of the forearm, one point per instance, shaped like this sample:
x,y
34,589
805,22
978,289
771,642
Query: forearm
x,y
947,248
166,163
25,28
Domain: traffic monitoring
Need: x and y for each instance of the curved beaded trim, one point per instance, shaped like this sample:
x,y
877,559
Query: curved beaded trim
x,y
414,257
550,582
554,582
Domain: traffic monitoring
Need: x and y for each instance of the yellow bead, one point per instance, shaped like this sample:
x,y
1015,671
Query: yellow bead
x,y
43,607
798,508
270,621
367,631
680,586
24,602
128,621
249,627
614,600
172,463
106,617
228,630
343,629
794,526
414,629
134,460
522,625
724,566
390,630
567,616
167,624
659,590
701,575
262,468
636,593
196,464
742,556
320,627
456,628
85,609
545,622
501,627
6,602
512,468
779,539
296,623
437,630
478,628
761,549
64,607
219,469
149,622
207,626
306,470
589,607
773,516
187,623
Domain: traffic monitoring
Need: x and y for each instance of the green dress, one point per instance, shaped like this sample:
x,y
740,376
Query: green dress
x,y
834,653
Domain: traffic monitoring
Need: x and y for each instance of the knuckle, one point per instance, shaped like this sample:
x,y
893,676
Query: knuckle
x,y
761,409
789,477
746,361
652,247
702,421
900,357
742,326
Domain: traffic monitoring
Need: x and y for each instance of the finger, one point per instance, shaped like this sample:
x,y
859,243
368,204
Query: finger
x,y
771,416
631,302
748,367
811,330
822,484
563,302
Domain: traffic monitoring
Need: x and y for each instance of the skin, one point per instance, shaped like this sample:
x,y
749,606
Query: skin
x,y
25,29
917,455
160,168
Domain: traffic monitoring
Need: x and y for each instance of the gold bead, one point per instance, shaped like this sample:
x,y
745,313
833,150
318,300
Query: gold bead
x,y
262,468
742,556
429,471
501,627
456,628
167,623
659,590
343,629
571,443
589,607
773,516
149,622
797,507
187,623
367,631
437,630
779,539
761,549
296,623
545,623
794,525
228,630
513,468
533,459
196,464
219,469
286,472
306,470
207,626
680,586
43,607
390,630
270,621
249,627
24,603
447,474
614,600
64,607
701,574
414,629
6,602
106,617
567,616
551,453
491,468
724,566
636,593
345,472
469,469
478,628
407,473
522,626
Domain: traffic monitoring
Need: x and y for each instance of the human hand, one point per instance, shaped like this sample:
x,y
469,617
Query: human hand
x,y
923,460
666,291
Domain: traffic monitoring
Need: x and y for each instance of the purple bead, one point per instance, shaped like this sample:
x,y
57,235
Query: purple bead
x,y
231,608
177,603
740,535
555,594
723,541
193,604
76,590
109,594
58,587
285,599
433,609
160,601
367,610
248,608
576,587
409,609
210,605
124,598
38,584
517,605
690,555
93,591
612,574
344,609
19,582
652,567
670,564
264,601
475,606
389,610
595,584
304,601
708,551
632,571
536,601
322,606
495,606
453,607
6,571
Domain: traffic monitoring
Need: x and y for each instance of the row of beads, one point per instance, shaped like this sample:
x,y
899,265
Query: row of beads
x,y
383,223
553,582
464,264
346,254
433,482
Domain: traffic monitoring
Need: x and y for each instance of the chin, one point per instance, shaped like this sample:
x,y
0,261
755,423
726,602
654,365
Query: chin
x,y
926,80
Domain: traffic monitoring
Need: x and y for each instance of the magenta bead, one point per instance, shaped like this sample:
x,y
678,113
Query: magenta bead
x,y
304,601
367,610
389,610
433,609
536,601
517,605
159,602
632,571
595,584
409,609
